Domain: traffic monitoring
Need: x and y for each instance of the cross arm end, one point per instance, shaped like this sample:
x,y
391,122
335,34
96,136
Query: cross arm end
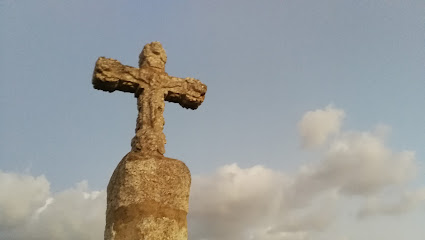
x,y
188,92
110,75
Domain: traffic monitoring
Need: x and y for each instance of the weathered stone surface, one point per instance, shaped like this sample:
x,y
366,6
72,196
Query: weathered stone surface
x,y
148,194
151,85
148,198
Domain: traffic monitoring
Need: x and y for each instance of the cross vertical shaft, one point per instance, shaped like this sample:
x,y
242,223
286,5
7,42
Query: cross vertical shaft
x,y
150,138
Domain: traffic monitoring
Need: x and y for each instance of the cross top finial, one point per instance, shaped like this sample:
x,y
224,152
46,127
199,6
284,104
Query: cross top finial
x,y
153,56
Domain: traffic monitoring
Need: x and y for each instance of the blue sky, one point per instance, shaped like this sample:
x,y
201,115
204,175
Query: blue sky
x,y
266,64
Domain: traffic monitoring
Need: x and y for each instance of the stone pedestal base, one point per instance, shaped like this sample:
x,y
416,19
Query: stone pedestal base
x,y
148,198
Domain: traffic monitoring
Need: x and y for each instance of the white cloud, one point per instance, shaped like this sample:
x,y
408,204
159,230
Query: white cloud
x,y
265,235
29,211
356,163
317,126
382,207
20,197
234,203
261,203
224,204
254,203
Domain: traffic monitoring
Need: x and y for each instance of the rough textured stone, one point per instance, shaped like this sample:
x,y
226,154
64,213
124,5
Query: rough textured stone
x,y
151,85
148,198
148,194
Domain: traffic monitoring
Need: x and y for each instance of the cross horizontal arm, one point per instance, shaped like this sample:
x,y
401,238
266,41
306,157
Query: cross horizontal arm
x,y
110,75
188,92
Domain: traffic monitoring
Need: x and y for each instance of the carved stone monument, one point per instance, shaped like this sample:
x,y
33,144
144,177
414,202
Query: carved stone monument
x,y
148,194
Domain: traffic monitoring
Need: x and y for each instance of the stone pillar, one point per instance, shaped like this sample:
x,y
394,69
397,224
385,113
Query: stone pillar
x,y
148,194
148,199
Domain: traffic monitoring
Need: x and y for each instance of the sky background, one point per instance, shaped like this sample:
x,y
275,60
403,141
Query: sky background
x,y
312,127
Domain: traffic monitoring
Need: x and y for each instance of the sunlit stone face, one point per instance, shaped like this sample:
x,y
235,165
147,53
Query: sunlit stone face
x,y
153,55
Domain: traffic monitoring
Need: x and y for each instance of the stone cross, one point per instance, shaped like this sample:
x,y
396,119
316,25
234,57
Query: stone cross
x,y
151,85
148,193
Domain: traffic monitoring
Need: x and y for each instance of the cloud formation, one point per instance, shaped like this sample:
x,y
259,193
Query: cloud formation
x,y
226,203
261,203
357,163
234,203
20,197
28,210
317,126
381,207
